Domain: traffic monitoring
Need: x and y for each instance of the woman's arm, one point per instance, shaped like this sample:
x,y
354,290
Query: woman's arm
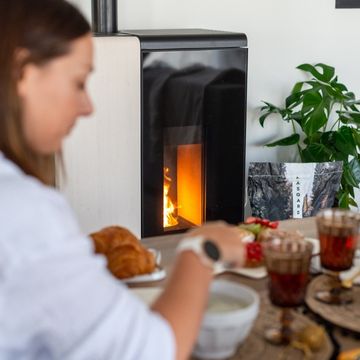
x,y
185,297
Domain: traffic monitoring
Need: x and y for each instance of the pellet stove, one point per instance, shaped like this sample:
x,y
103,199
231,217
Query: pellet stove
x,y
165,148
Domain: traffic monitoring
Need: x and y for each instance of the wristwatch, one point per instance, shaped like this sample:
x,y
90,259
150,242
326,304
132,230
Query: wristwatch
x,y
206,249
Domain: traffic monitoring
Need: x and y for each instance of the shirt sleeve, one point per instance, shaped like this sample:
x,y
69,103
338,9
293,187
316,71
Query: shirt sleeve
x,y
62,303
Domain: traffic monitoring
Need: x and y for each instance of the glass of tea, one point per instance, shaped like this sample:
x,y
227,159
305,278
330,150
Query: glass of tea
x,y
287,261
338,231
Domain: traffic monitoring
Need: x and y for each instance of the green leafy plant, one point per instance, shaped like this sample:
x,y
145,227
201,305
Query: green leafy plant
x,y
325,120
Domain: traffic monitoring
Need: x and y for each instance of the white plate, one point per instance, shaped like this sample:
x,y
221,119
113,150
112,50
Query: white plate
x,y
147,295
158,274
254,273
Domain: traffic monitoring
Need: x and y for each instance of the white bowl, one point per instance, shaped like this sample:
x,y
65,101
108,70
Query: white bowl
x,y
222,332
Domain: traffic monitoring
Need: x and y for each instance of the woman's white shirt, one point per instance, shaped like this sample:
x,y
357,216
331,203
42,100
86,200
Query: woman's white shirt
x,y
57,299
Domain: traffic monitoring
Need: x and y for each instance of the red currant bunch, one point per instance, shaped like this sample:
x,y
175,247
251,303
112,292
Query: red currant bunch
x,y
263,222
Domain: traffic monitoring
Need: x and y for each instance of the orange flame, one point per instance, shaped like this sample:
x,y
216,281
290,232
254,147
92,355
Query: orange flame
x,y
169,207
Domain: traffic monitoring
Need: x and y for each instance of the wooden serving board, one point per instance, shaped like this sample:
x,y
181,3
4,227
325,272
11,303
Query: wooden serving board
x,y
345,316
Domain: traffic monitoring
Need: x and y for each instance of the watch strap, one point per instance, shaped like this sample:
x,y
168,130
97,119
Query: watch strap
x,y
196,245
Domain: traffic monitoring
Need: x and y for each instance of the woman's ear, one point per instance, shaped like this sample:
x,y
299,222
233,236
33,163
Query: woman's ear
x,y
21,69
28,79
23,83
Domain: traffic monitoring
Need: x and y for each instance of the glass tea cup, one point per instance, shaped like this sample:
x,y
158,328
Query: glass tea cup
x,y
287,262
338,231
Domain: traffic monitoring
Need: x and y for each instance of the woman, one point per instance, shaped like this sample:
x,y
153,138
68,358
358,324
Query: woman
x,y
57,299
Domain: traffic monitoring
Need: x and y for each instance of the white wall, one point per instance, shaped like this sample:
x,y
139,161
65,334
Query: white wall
x,y
281,33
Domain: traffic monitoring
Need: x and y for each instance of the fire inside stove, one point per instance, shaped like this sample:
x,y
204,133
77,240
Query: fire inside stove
x,y
170,218
183,187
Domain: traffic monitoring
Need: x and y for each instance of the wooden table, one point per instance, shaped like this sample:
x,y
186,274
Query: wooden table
x,y
166,244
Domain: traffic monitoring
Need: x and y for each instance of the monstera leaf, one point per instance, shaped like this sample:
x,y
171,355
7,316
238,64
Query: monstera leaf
x,y
326,124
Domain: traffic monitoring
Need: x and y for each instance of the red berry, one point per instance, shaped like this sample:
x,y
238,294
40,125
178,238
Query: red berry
x,y
273,224
265,222
254,251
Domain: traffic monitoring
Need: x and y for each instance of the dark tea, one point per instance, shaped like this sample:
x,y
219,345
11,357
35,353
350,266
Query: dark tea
x,y
287,290
287,262
338,233
337,252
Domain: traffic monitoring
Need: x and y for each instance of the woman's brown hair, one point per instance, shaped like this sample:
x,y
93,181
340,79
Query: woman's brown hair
x,y
44,29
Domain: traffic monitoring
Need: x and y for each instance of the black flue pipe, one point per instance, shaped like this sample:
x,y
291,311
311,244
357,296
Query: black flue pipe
x,y
104,16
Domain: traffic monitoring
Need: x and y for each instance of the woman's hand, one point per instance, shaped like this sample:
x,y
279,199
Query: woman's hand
x,y
227,237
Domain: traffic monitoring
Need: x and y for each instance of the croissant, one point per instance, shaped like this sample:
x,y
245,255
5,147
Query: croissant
x,y
125,255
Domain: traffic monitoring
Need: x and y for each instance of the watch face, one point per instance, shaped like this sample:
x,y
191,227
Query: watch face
x,y
211,250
